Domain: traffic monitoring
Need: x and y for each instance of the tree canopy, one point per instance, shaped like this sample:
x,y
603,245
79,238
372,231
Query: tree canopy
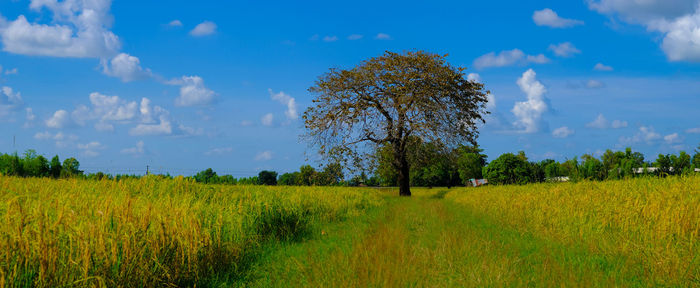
x,y
388,98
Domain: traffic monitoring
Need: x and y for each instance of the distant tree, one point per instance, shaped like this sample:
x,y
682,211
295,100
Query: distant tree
x,y
55,167
551,168
332,174
34,165
696,158
663,162
570,168
227,179
70,168
470,163
288,179
206,176
591,168
508,169
307,174
386,99
267,177
681,164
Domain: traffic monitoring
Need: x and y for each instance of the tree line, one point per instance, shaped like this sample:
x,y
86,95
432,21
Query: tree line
x,y
431,165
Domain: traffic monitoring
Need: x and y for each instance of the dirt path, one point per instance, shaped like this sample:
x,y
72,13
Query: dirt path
x,y
427,241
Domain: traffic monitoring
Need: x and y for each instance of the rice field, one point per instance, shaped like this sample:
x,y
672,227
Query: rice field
x,y
157,232
151,232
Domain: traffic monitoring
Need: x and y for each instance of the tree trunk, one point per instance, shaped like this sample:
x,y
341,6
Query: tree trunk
x,y
404,176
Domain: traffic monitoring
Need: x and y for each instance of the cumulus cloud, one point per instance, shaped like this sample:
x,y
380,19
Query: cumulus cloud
x,y
42,135
547,17
508,58
138,150
59,119
90,149
602,67
645,134
193,92
355,37
163,127
267,119
693,130
125,67
105,109
79,29
203,29
600,122
264,156
529,113
285,99
10,101
382,36
677,20
29,117
562,132
565,49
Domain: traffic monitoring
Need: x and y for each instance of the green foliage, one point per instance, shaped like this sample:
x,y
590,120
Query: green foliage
x,y
207,176
470,163
508,169
288,179
55,167
267,177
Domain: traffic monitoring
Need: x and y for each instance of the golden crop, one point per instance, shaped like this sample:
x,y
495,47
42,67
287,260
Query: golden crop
x,y
149,232
651,222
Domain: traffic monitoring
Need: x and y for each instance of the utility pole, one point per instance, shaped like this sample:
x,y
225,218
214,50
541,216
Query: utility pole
x,y
146,169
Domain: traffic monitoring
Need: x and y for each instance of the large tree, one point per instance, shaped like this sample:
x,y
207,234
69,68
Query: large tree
x,y
388,98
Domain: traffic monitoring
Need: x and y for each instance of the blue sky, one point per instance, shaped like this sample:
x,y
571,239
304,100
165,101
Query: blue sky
x,y
222,84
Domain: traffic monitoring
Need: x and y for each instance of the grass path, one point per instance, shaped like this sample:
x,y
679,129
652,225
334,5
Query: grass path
x,y
428,241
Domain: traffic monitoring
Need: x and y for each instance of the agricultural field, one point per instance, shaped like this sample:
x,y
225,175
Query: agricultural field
x,y
159,232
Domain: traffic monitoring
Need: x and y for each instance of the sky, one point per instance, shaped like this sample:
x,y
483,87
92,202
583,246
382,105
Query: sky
x,y
185,86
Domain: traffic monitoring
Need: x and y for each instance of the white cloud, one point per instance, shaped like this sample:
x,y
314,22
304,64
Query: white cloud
x,y
267,119
164,127
63,140
594,84
175,23
12,71
246,123
79,29
125,67
105,109
565,49
59,119
693,131
264,156
562,132
547,17
507,58
193,92
286,100
382,36
641,11
673,138
29,117
529,113
203,29
601,122
474,77
219,151
678,20
602,67
42,135
330,38
138,150
618,124
10,101
90,149
355,37
645,134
